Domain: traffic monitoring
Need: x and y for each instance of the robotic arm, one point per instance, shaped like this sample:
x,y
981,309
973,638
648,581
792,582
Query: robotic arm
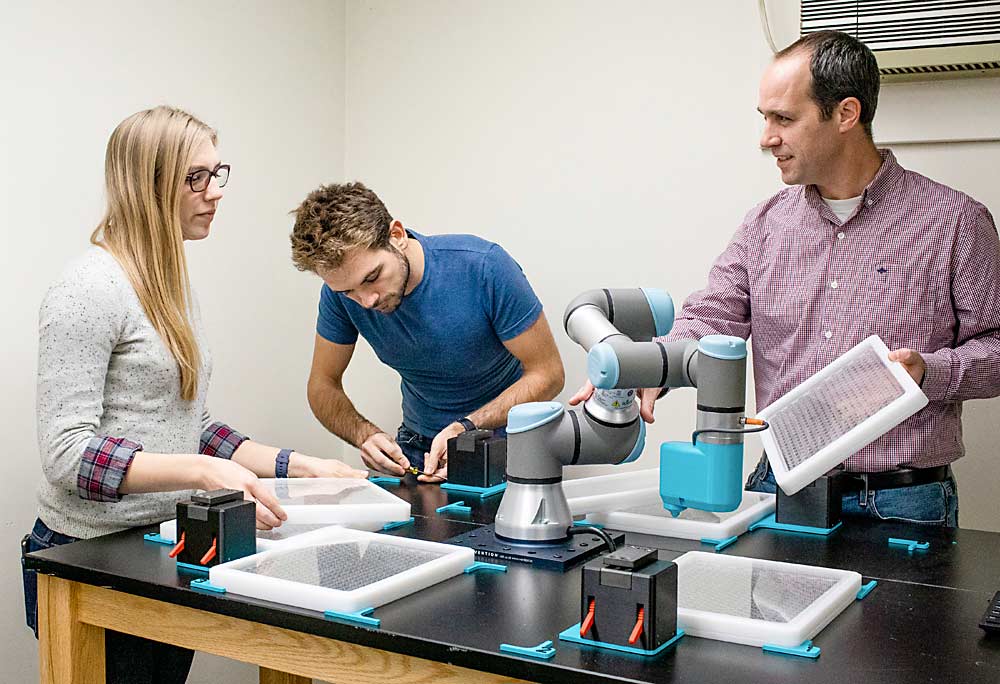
x,y
617,327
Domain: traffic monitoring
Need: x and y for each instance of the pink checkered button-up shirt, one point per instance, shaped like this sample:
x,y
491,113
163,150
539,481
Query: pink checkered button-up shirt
x,y
917,264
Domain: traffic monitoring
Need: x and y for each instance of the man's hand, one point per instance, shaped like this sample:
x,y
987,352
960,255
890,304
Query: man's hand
x,y
436,460
582,394
912,361
310,466
380,452
646,397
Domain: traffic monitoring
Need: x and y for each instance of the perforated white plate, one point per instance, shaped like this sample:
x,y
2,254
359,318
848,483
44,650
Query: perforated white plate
x,y
691,523
342,570
756,602
612,492
839,410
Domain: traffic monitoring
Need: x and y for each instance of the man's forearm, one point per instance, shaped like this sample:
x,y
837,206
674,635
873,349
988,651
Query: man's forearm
x,y
540,386
334,409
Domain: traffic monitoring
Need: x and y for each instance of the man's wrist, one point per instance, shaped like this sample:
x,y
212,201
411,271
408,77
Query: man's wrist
x,y
365,433
467,424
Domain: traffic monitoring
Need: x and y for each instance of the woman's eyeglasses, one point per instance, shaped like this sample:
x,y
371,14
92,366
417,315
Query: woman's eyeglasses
x,y
199,180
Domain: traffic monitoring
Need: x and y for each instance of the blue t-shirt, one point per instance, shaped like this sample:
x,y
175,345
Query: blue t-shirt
x,y
446,337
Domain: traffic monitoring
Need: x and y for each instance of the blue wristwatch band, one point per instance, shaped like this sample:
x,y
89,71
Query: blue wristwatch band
x,y
281,463
466,423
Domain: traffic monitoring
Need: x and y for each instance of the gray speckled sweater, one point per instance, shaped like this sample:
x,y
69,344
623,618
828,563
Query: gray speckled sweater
x,y
103,371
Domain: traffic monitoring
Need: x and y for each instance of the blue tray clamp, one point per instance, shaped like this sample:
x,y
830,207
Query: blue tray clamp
x,y
720,543
587,523
544,650
477,566
572,634
770,523
397,524
204,586
384,479
866,589
361,617
803,650
457,507
481,492
157,538
910,544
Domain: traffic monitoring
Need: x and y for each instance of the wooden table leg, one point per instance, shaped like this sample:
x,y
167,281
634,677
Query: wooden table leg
x,y
268,676
70,651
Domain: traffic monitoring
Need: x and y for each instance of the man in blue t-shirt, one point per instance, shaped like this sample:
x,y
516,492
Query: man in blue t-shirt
x,y
454,315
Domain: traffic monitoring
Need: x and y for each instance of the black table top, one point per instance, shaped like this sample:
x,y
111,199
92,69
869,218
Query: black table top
x,y
918,625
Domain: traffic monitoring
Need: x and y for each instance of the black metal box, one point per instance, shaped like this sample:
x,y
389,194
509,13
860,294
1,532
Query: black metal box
x,y
618,594
477,459
221,517
818,504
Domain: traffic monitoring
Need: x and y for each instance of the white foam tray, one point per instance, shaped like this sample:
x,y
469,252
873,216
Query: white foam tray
x,y
314,590
612,492
756,602
812,429
269,538
692,523
336,500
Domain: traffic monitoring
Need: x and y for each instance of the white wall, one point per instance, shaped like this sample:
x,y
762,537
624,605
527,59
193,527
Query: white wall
x,y
603,144
610,145
270,77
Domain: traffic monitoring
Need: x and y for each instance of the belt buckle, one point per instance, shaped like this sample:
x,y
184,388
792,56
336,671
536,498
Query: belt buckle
x,y
863,492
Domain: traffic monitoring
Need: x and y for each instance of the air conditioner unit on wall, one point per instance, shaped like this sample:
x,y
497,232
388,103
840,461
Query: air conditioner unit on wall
x,y
916,39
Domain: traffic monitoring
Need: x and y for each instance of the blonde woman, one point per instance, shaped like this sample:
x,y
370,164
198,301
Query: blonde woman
x,y
123,370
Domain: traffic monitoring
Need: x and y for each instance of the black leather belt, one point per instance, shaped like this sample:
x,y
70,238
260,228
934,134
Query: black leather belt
x,y
892,479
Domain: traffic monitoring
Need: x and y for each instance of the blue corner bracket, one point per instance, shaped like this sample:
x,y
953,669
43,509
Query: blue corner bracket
x,y
720,543
384,480
866,589
803,650
477,566
362,617
770,523
572,634
157,539
587,523
204,586
191,567
910,544
457,507
481,492
544,650
396,525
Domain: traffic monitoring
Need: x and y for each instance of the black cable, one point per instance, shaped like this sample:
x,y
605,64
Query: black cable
x,y
728,431
580,529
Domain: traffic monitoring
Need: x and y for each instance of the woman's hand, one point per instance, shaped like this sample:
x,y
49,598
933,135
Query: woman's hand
x,y
219,473
300,465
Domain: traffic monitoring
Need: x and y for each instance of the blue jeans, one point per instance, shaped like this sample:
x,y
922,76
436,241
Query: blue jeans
x,y
414,445
128,659
929,504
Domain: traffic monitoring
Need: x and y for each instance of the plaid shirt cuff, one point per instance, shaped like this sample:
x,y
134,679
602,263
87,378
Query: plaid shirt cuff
x,y
937,377
103,466
221,441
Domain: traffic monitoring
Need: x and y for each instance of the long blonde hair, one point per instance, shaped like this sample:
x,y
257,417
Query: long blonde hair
x,y
146,163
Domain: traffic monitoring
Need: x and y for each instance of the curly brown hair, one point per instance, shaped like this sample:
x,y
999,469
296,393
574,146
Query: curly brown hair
x,y
334,219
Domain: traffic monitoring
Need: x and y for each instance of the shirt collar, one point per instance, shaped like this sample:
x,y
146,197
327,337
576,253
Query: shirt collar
x,y
888,174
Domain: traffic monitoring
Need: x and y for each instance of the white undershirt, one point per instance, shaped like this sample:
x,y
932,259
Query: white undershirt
x,y
843,208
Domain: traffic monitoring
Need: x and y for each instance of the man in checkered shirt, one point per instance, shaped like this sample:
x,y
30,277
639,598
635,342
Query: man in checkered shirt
x,y
857,245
